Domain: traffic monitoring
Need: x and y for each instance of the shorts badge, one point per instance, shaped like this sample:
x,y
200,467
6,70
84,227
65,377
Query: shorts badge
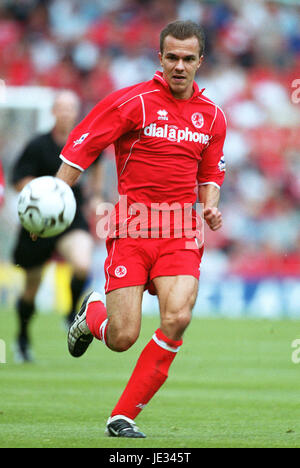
x,y
121,271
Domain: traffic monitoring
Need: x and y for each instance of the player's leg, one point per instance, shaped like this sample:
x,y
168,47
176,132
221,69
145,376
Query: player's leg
x,y
177,296
118,327
124,313
76,248
31,256
117,324
25,311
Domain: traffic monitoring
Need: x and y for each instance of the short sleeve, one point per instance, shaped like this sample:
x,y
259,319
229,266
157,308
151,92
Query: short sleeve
x,y
105,124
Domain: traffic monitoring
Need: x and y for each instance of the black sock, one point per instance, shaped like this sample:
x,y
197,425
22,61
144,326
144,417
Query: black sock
x,y
25,311
77,286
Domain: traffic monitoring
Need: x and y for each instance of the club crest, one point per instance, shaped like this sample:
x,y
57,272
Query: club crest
x,y
121,271
198,120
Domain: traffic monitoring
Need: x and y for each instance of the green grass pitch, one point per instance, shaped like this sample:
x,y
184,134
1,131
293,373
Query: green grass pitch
x,y
233,384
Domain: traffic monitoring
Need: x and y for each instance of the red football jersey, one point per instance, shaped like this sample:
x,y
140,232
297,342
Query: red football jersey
x,y
164,146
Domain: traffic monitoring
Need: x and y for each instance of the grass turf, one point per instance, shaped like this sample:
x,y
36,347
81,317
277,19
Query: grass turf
x,y
233,384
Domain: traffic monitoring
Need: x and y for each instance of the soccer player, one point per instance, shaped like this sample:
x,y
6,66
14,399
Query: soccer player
x,y
40,158
2,185
168,139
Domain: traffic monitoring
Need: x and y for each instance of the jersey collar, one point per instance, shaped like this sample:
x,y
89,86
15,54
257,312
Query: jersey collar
x,y
158,77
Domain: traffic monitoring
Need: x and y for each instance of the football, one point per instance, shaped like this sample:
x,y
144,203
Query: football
x,y
46,206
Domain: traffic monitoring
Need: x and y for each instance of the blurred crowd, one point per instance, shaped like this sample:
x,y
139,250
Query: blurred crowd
x,y
251,70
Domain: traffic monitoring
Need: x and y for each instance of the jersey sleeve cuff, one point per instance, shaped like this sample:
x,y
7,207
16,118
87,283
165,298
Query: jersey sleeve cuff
x,y
210,183
71,163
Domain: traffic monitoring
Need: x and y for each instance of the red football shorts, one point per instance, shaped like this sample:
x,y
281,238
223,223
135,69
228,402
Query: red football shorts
x,y
134,262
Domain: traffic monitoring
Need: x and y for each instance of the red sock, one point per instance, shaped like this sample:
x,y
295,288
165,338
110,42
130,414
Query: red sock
x,y
96,319
149,374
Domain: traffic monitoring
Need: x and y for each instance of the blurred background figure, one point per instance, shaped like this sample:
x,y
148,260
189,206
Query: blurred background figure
x,y
252,59
40,158
2,185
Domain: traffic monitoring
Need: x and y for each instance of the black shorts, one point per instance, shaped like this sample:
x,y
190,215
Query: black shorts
x,y
29,254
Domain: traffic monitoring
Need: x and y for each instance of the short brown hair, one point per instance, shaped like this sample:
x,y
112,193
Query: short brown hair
x,y
183,30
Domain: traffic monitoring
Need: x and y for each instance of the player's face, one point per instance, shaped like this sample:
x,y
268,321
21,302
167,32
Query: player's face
x,y
180,61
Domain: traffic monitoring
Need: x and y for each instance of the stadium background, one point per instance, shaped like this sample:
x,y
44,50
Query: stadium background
x,y
252,70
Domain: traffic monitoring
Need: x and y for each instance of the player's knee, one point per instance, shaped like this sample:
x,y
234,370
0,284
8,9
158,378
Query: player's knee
x,y
184,319
176,322
122,341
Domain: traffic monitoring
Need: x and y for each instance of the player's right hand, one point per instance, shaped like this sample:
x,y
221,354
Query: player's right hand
x,y
213,217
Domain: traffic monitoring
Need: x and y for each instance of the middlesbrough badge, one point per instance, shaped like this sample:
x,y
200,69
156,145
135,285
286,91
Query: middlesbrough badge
x,y
121,271
198,120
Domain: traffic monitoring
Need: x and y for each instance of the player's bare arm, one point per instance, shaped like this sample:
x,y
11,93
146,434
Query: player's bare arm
x,y
209,195
68,174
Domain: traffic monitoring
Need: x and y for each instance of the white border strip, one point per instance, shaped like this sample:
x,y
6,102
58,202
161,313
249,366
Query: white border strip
x,y
216,107
211,183
161,78
108,276
102,331
138,95
216,111
144,112
70,163
130,152
164,345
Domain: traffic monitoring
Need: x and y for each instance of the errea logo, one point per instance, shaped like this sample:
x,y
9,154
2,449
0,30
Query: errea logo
x,y
162,114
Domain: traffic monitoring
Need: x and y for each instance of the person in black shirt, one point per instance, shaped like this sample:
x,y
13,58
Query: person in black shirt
x,y
39,158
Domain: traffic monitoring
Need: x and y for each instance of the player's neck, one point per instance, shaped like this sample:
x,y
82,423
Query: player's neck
x,y
183,96
60,136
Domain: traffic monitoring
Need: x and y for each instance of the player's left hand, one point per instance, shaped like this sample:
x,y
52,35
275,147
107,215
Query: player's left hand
x,y
213,217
